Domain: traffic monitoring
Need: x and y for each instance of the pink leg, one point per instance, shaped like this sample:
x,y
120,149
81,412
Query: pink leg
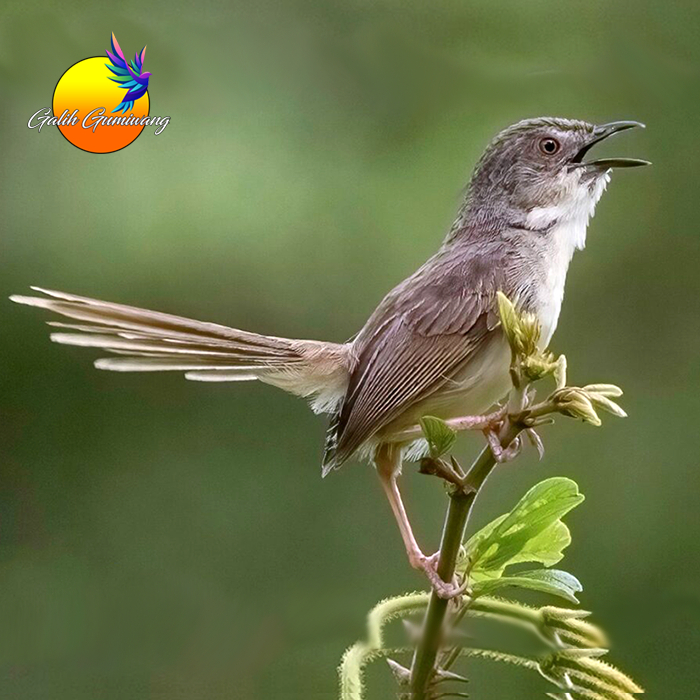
x,y
388,463
487,421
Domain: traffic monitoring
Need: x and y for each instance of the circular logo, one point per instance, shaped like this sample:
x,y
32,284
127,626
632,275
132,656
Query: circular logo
x,y
90,87
100,104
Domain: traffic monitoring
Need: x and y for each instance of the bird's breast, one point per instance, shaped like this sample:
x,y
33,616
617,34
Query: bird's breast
x,y
550,277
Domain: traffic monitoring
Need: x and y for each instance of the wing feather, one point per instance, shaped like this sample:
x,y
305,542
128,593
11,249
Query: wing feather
x,y
128,73
420,335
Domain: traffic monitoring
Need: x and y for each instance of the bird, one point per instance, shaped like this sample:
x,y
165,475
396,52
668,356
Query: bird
x,y
434,344
129,75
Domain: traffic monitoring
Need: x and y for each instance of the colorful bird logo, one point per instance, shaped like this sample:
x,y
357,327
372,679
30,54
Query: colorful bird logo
x,y
91,108
129,75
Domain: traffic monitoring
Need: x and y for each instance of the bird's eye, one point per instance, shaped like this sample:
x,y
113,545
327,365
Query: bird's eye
x,y
549,146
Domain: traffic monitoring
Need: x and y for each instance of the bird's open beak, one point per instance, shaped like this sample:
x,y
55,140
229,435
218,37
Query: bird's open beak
x,y
599,134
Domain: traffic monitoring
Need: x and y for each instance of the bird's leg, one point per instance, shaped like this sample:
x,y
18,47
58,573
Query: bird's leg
x,y
388,463
489,421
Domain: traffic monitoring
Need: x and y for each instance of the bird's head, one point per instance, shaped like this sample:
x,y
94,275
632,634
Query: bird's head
x,y
538,170
145,76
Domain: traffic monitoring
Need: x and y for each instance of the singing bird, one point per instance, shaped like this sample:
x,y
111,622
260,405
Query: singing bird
x,y
433,345
128,75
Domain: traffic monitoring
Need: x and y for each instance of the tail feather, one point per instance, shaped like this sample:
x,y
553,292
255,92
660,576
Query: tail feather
x,y
239,374
166,364
134,318
185,340
154,341
172,346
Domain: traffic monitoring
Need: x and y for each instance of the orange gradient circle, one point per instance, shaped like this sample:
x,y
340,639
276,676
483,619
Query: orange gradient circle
x,y
86,87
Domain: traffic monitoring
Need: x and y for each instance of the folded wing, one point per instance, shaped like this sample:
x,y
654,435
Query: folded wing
x,y
421,334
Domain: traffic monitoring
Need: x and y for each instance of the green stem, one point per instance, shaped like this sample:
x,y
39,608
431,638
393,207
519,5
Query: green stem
x,y
461,503
360,654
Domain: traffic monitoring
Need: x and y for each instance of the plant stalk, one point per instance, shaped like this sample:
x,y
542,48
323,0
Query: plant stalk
x,y
460,506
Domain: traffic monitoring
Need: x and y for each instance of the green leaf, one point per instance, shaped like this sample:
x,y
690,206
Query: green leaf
x,y
547,547
553,581
439,435
531,532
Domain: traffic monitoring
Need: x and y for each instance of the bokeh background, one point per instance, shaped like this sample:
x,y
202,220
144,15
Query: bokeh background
x,y
166,539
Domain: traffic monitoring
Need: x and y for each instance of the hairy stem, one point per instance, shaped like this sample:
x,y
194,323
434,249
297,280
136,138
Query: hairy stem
x,y
461,503
360,654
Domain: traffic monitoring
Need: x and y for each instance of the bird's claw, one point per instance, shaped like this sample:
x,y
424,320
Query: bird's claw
x,y
447,591
506,454
503,454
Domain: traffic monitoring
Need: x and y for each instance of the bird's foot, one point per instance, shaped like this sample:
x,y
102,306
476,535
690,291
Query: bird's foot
x,y
447,591
503,454
510,452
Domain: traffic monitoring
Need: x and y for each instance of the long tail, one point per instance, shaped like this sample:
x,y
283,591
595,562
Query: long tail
x,y
148,341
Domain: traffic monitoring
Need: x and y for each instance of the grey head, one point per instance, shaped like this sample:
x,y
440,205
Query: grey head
x,y
537,171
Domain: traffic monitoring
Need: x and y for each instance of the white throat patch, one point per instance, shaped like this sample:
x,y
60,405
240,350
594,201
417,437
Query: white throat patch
x,y
571,214
567,222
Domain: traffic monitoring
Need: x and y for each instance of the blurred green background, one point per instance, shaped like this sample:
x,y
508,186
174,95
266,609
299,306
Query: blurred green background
x,y
166,539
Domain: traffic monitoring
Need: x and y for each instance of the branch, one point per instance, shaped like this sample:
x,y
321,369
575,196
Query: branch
x,y
529,364
461,503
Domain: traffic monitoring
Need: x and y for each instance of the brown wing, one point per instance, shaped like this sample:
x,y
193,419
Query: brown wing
x,y
421,333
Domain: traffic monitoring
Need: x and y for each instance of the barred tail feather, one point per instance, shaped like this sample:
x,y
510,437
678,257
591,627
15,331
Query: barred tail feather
x,y
151,341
